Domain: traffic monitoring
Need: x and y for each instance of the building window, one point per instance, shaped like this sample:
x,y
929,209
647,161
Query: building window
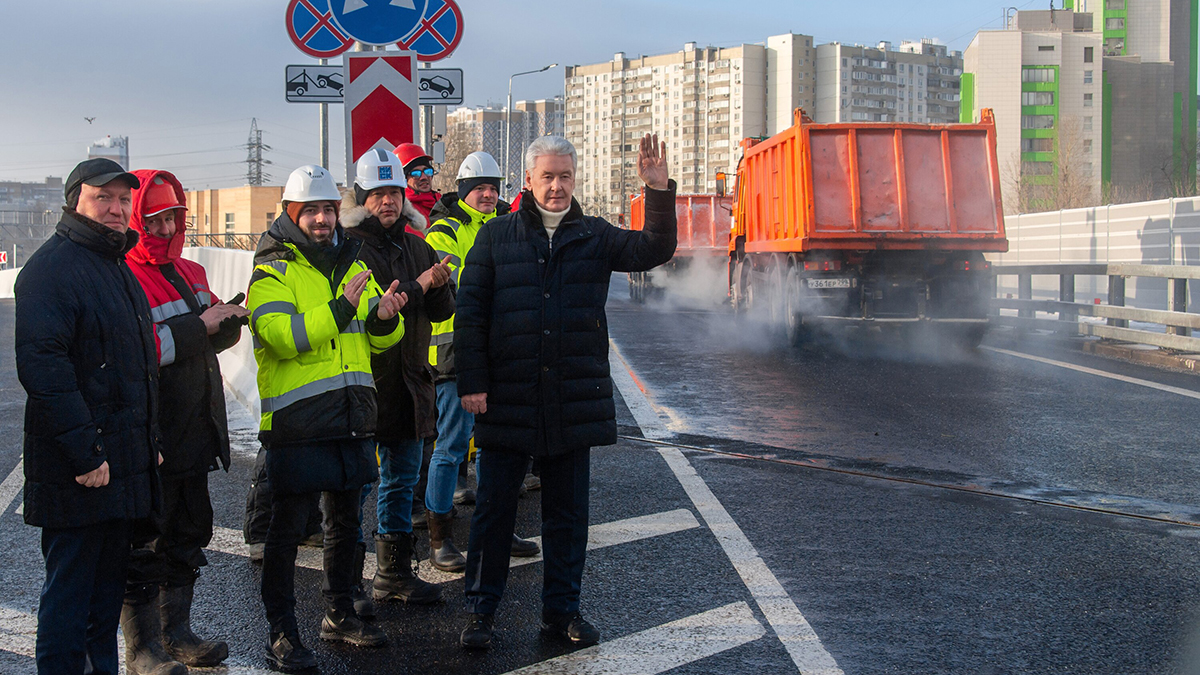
x,y
1114,23
1087,145
1114,5
1037,74
1039,121
1037,145
1088,53
1087,124
1037,98
1087,100
1087,77
1037,168
1045,48
229,229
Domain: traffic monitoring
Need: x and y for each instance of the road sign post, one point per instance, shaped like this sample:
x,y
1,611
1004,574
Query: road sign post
x,y
381,102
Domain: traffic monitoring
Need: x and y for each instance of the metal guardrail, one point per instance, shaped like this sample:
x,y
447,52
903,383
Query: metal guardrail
x,y
1177,321
241,241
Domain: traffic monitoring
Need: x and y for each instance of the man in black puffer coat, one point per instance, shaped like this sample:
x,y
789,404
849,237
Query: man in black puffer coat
x,y
531,342
86,356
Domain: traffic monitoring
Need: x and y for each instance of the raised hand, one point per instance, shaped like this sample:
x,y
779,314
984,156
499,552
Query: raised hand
x,y
354,287
390,303
652,162
214,316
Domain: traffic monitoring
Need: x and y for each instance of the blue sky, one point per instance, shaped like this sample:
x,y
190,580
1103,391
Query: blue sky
x,y
183,78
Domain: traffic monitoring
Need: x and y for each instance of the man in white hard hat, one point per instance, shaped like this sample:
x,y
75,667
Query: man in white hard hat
x,y
376,213
459,216
317,317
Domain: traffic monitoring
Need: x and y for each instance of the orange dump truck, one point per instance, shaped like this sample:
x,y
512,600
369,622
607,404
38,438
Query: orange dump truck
x,y
870,224
704,222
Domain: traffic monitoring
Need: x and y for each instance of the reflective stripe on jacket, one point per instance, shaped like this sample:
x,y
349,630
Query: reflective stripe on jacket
x,y
453,234
314,375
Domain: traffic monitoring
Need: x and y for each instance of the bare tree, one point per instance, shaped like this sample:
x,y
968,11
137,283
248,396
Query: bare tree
x,y
1068,182
461,139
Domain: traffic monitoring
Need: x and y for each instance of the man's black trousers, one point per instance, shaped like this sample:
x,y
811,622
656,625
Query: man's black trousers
x,y
564,492
170,551
81,599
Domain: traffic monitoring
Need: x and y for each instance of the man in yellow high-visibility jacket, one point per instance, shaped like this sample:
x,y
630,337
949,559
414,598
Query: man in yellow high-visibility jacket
x,y
316,316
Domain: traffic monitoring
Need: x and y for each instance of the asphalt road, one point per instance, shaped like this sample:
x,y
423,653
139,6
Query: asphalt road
x,y
864,508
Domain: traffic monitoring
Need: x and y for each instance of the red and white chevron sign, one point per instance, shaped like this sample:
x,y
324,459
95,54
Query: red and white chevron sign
x,y
381,101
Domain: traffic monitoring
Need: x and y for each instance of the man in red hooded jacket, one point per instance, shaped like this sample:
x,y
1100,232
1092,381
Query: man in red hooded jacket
x,y
191,325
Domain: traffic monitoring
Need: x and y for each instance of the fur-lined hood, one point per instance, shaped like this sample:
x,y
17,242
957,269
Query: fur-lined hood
x,y
352,215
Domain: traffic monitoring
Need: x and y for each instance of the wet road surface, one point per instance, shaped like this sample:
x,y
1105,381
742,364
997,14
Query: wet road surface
x,y
865,511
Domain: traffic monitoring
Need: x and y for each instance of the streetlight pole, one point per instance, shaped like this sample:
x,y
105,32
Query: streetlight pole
x,y
508,117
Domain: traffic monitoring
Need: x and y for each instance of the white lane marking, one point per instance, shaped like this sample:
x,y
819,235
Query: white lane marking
x,y
603,535
643,410
11,487
793,629
661,648
1092,371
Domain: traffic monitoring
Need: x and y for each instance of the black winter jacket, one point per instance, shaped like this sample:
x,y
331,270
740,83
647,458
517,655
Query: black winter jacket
x,y
86,357
531,331
403,381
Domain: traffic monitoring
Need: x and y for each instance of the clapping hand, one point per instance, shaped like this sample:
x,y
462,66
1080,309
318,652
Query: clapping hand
x,y
354,287
390,303
652,162
436,276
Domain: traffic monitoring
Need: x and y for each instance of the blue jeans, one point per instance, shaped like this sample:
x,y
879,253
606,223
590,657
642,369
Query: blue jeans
x,y
399,469
565,480
81,600
455,426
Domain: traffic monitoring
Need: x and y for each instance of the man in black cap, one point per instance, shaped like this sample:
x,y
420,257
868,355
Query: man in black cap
x,y
86,356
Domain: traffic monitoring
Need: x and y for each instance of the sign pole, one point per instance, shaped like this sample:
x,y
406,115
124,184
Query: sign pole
x,y
427,114
323,116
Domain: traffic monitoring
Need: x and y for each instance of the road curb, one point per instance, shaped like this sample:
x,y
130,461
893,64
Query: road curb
x,y
1183,363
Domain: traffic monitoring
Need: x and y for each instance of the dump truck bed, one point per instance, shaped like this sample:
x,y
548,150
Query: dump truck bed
x,y
872,186
704,222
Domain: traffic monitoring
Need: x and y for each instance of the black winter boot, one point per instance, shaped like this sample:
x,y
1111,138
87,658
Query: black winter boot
x,y
175,608
286,653
364,606
144,653
345,626
524,548
478,633
395,578
443,554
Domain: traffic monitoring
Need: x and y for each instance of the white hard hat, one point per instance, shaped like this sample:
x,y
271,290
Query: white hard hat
x,y
479,165
378,168
311,184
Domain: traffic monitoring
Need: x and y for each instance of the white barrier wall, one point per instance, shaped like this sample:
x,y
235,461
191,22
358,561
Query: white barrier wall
x,y
7,279
1164,232
229,274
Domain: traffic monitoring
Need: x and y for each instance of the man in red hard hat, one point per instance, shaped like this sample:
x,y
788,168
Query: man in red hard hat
x,y
418,169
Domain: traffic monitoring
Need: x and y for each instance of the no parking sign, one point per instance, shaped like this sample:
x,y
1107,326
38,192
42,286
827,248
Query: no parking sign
x,y
310,25
438,34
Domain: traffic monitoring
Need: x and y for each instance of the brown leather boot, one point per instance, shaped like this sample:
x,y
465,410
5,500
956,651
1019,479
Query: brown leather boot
x,y
443,554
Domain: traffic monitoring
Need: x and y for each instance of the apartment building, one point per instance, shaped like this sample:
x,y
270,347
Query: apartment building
x,y
701,100
919,82
223,217
472,129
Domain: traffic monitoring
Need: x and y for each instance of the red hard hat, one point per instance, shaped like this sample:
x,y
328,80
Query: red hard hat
x,y
410,153
160,196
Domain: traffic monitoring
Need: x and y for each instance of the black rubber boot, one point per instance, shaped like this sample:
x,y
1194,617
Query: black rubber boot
x,y
442,552
175,608
478,633
523,548
286,653
420,517
463,494
345,626
395,578
364,606
144,654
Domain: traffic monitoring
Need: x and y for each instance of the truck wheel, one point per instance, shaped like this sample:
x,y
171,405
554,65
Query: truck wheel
x,y
793,315
774,297
743,291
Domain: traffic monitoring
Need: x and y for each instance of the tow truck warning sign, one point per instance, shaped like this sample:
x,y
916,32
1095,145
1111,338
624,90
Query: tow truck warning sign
x,y
314,84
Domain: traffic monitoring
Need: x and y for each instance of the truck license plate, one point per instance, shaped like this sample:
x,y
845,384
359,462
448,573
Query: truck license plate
x,y
829,283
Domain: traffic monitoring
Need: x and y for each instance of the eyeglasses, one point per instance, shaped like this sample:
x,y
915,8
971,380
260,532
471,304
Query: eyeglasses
x,y
417,173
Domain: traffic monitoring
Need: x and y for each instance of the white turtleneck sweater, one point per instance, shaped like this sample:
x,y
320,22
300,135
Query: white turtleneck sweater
x,y
551,219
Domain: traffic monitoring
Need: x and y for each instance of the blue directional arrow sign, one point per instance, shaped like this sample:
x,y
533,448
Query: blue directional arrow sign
x,y
378,22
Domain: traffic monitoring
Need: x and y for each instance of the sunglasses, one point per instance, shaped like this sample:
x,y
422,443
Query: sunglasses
x,y
417,173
